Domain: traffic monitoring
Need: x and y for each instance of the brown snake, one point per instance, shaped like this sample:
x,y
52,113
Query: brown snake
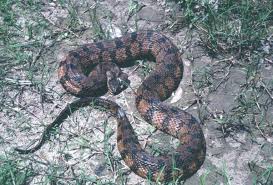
x,y
157,87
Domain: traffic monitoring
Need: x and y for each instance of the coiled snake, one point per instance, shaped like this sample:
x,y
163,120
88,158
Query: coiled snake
x,y
158,86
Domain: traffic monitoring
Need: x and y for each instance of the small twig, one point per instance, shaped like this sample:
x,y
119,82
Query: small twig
x,y
32,159
20,108
225,77
268,60
190,105
200,28
267,90
257,126
224,60
38,55
19,82
135,10
134,70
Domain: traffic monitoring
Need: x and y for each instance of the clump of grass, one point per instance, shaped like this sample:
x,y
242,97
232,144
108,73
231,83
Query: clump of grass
x,y
261,175
96,24
230,25
11,172
21,43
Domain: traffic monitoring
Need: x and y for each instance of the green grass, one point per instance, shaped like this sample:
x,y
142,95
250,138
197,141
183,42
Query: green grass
x,y
261,175
230,25
13,173
21,45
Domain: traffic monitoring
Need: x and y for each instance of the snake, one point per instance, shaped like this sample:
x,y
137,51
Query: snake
x,y
94,68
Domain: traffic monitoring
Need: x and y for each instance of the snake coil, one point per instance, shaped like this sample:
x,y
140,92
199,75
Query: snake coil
x,y
157,87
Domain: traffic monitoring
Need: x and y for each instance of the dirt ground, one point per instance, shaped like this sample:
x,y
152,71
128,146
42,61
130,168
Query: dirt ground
x,y
84,149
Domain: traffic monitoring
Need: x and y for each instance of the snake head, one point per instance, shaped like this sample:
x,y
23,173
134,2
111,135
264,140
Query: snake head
x,y
117,82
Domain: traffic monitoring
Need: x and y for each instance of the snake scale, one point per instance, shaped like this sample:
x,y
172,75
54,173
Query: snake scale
x,y
103,57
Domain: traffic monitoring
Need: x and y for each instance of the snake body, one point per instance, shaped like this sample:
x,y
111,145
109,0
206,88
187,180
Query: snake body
x,y
157,87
